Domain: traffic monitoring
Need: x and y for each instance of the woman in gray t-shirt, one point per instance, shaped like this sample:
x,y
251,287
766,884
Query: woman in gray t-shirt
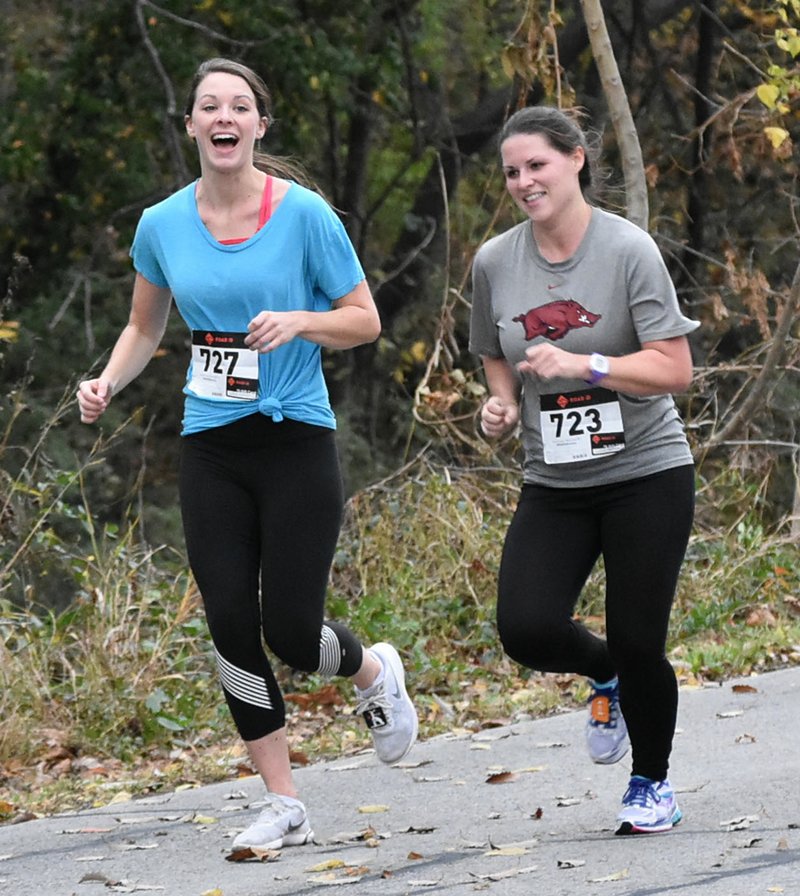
x,y
577,325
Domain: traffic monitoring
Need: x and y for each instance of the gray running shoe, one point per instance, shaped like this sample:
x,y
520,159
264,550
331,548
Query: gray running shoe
x,y
283,822
388,710
606,731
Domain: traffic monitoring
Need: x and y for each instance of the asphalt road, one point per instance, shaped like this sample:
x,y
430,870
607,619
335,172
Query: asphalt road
x,y
436,825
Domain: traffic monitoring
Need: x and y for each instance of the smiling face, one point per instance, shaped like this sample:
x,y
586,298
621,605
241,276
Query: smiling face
x,y
225,121
542,180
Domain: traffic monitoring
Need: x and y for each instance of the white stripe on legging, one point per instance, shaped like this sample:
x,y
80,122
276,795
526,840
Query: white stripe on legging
x,y
244,685
330,653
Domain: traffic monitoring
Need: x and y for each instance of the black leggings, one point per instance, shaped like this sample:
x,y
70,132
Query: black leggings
x,y
641,529
262,507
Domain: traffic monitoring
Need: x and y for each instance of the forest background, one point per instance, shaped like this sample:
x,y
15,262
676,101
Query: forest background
x,y
393,106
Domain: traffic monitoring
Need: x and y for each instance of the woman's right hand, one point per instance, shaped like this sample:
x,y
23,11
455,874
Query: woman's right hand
x,y
93,398
498,416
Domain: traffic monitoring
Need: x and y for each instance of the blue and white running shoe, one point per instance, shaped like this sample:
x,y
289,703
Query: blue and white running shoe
x,y
648,807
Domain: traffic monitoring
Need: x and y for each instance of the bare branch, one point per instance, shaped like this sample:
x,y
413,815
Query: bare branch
x,y
753,401
173,140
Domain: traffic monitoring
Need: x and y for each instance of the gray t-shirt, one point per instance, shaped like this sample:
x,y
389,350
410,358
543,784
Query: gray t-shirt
x,y
612,295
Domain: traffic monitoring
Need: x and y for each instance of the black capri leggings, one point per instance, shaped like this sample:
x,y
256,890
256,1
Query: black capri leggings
x,y
641,529
262,506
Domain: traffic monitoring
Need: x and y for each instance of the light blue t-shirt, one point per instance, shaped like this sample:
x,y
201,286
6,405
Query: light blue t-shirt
x,y
301,259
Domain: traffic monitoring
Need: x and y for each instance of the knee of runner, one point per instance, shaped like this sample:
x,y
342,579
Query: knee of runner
x,y
534,646
298,653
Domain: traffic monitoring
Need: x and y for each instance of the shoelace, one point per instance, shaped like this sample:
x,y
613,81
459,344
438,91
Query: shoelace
x,y
376,701
641,793
273,812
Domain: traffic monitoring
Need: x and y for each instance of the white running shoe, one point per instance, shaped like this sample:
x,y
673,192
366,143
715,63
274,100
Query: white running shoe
x,y
283,822
387,708
606,731
649,807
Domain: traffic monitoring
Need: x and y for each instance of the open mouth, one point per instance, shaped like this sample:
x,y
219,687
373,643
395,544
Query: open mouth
x,y
226,141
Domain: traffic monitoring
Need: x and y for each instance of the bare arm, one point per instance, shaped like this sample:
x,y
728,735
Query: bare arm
x,y
658,368
133,350
352,321
500,413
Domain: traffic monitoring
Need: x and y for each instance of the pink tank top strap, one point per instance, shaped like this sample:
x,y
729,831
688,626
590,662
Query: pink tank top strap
x,y
266,203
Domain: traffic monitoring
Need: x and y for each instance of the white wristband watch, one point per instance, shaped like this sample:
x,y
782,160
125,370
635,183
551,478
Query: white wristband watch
x,y
598,368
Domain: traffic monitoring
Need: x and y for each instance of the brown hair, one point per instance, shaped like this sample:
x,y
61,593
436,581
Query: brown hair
x,y
274,165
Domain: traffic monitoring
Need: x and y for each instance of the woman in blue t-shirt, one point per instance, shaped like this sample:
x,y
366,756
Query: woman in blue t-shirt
x,y
264,275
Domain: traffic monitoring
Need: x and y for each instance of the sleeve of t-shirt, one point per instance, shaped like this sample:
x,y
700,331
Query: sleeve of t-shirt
x,y
143,252
653,301
483,336
333,265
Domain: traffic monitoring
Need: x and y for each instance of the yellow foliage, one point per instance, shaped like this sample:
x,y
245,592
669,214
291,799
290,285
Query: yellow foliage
x,y
9,331
768,94
776,136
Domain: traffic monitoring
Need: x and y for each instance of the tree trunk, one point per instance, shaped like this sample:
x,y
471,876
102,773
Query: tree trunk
x,y
630,150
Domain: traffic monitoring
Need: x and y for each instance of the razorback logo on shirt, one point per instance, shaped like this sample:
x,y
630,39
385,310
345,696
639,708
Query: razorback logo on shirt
x,y
555,319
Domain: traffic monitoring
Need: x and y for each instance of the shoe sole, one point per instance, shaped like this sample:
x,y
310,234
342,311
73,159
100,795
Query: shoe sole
x,y
610,760
392,658
628,828
298,839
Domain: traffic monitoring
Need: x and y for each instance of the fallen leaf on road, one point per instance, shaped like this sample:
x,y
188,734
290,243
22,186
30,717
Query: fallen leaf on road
x,y
507,851
372,810
87,831
124,887
504,875
609,878
744,689
747,844
740,823
501,778
519,844
331,880
263,855
369,836
328,865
